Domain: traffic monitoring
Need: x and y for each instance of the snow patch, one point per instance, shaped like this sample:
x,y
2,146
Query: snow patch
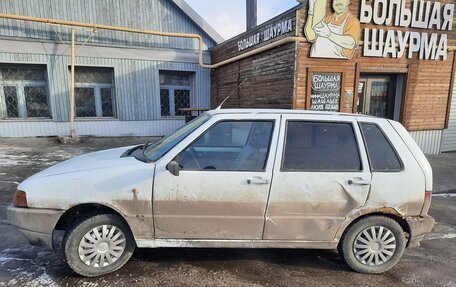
x,y
43,280
440,236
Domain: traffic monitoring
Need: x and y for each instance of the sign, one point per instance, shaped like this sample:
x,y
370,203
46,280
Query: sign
x,y
393,42
325,91
333,35
336,35
269,33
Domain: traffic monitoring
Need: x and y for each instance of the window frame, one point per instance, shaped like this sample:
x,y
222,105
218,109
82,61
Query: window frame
x,y
98,102
171,99
389,142
97,93
20,96
352,125
274,122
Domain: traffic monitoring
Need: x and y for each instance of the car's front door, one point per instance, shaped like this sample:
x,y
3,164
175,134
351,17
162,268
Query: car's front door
x,y
321,175
223,185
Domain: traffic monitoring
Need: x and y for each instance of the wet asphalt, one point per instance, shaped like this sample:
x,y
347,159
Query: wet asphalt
x,y
431,264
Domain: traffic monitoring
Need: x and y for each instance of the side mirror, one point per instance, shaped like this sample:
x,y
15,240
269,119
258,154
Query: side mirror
x,y
173,167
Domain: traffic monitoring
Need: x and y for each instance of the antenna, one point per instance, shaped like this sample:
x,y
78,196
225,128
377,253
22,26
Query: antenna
x,y
238,86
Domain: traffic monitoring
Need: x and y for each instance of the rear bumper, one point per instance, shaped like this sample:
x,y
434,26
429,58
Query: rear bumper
x,y
419,226
36,224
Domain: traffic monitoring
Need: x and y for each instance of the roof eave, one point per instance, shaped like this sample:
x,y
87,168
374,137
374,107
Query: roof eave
x,y
198,20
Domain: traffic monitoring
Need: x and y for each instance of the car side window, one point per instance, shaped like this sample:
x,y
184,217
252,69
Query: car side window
x,y
382,156
230,146
320,146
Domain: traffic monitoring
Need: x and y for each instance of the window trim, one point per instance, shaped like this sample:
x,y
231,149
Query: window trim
x,y
389,142
97,94
231,170
171,102
98,102
352,125
21,101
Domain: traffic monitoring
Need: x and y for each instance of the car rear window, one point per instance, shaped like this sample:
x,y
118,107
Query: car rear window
x,y
320,146
382,156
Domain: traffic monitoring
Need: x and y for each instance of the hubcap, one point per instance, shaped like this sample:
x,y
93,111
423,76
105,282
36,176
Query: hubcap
x,y
102,246
374,245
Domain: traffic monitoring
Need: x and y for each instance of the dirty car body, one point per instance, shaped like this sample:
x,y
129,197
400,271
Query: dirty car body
x,y
240,178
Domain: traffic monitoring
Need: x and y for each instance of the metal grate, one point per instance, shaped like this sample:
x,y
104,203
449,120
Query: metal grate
x,y
94,92
12,108
24,91
106,102
181,100
85,102
36,102
164,102
22,73
93,75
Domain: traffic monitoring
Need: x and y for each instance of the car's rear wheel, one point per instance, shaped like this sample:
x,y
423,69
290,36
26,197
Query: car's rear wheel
x,y
373,244
98,245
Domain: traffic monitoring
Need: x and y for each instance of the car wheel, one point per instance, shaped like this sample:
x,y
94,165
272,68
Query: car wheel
x,y
98,245
373,244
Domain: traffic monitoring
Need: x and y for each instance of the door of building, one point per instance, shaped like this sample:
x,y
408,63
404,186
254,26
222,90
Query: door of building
x,y
377,95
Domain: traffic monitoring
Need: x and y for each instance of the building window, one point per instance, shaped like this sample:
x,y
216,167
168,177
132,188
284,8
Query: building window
x,y
175,92
23,91
94,92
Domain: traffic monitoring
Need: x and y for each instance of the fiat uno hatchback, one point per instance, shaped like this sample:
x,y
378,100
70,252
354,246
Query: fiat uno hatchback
x,y
238,179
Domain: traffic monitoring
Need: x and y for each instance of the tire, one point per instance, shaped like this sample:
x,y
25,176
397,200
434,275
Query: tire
x,y
355,245
114,243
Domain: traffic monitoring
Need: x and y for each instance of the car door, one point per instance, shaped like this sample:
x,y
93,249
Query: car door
x,y
222,188
321,174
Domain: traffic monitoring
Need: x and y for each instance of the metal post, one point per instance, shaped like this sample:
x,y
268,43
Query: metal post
x,y
251,14
72,130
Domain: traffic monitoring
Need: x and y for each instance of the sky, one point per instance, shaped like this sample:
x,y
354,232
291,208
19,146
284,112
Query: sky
x,y
227,17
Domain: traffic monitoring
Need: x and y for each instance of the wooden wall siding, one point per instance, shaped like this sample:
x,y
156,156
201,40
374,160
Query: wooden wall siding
x,y
136,83
270,75
269,80
229,48
428,89
161,15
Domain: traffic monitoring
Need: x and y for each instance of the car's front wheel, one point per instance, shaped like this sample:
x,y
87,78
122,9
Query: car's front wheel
x,y
98,245
373,244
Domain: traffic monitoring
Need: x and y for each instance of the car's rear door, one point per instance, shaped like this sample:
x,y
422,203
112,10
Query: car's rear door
x,y
321,174
222,189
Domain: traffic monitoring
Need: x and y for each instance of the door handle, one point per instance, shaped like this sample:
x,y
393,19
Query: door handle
x,y
358,181
258,180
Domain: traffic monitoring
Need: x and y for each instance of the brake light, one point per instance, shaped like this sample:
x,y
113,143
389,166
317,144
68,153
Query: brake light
x,y
427,202
20,199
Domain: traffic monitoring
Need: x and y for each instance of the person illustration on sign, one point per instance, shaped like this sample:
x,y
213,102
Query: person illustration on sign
x,y
335,35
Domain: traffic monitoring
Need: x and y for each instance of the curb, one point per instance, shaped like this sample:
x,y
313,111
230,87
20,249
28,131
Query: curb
x,y
450,191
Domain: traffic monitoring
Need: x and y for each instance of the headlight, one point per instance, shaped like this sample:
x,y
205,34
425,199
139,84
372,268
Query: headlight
x,y
20,199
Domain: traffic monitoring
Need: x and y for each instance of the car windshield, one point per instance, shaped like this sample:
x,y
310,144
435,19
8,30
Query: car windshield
x,y
162,146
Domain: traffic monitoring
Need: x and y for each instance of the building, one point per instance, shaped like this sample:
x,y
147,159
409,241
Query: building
x,y
126,84
387,58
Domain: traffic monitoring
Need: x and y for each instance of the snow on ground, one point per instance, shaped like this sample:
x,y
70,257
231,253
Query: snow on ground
x,y
26,270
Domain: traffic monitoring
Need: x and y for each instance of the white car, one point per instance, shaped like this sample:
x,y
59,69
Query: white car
x,y
238,178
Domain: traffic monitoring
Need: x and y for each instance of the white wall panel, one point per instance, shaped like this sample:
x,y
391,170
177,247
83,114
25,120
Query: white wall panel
x,y
90,128
428,141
